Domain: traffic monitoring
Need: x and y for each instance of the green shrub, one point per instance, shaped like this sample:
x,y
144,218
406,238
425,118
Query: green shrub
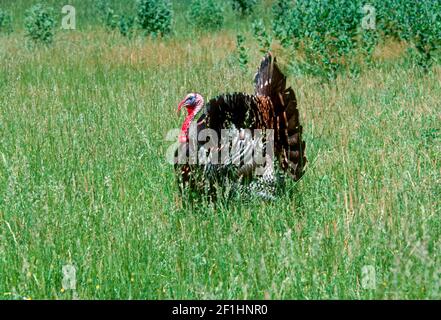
x,y
126,26
417,22
282,23
154,16
5,21
261,35
107,14
206,14
390,17
40,24
324,34
244,7
242,52
110,19
423,29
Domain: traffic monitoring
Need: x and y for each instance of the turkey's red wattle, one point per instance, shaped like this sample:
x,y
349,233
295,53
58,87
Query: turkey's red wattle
x,y
183,136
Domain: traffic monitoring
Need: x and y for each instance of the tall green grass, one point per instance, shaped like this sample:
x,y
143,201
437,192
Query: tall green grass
x,y
84,181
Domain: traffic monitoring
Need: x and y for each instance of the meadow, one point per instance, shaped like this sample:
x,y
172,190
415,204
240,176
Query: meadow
x,y
84,180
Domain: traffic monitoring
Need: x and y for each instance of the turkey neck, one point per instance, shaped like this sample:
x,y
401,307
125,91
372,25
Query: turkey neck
x,y
192,112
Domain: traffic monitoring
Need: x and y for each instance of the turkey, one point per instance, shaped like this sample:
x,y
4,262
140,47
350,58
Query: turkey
x,y
241,144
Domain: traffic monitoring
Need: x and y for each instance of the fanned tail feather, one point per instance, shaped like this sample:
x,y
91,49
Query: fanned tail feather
x,y
290,148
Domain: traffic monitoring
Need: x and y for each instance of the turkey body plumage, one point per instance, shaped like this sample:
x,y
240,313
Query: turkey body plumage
x,y
257,141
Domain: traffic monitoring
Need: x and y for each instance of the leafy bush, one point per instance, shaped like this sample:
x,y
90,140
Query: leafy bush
x,y
242,52
107,14
206,14
5,21
244,7
282,23
126,25
324,34
423,29
417,22
390,17
154,16
110,19
40,24
261,35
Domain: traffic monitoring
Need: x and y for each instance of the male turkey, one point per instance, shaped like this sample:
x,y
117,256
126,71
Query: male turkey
x,y
239,143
